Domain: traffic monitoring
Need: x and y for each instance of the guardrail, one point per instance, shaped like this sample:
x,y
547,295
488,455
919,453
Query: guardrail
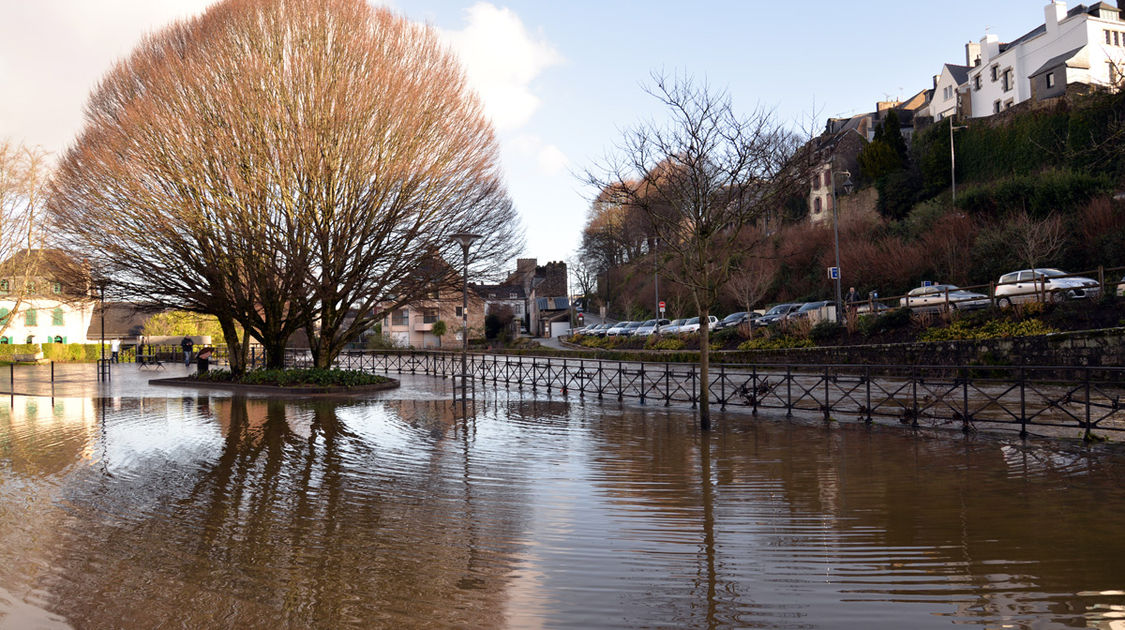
x,y
1022,398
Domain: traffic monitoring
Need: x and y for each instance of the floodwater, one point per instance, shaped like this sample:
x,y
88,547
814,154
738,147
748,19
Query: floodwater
x,y
138,507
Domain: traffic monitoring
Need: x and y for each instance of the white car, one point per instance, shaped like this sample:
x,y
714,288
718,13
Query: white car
x,y
692,324
939,297
1035,285
651,327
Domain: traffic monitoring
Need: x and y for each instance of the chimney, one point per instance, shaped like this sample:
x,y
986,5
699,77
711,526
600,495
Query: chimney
x,y
1053,13
989,48
972,54
936,78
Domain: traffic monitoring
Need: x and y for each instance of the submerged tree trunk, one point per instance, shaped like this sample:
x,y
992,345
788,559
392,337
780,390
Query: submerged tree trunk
x,y
236,347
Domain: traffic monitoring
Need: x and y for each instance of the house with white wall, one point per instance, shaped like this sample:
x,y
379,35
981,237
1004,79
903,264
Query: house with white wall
x,y
45,297
1083,46
947,87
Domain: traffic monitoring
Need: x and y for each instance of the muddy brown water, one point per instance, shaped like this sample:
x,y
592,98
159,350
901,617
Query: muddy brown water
x,y
128,508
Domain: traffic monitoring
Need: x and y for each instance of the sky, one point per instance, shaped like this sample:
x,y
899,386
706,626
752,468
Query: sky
x,y
560,79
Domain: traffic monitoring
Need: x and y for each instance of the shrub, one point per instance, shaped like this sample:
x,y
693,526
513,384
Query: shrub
x,y
987,330
665,343
825,331
296,377
781,342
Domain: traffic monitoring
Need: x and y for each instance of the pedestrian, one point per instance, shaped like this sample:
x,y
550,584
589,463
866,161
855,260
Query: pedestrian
x,y
853,296
114,348
187,346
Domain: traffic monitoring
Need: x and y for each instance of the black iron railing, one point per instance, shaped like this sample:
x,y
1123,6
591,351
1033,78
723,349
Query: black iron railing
x,y
1086,398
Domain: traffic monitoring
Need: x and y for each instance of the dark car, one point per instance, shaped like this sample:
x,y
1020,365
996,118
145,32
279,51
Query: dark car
x,y
735,319
808,307
776,314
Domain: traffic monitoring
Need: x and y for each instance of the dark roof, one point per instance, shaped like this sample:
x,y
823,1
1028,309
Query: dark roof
x,y
122,319
960,74
1059,60
552,303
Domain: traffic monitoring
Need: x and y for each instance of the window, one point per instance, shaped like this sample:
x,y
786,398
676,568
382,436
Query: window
x,y
976,82
4,341
30,339
459,315
1115,40
4,315
996,107
1106,36
995,70
1007,80
31,318
56,287
57,317
1008,103
433,294
816,206
1050,79
3,286
401,317
58,339
429,315
827,178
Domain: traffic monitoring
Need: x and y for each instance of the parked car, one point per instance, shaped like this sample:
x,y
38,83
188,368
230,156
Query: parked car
x,y
631,329
939,297
692,324
1032,285
735,319
617,328
651,327
672,328
597,330
807,308
776,314
1121,287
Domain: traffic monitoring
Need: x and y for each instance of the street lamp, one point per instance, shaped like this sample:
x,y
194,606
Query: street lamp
x,y
953,159
465,240
836,234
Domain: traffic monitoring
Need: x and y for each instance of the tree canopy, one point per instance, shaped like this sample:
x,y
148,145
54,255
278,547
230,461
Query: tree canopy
x,y
285,165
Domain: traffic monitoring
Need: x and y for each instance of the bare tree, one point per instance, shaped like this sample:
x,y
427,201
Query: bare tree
x,y
1036,241
23,181
751,280
285,165
700,180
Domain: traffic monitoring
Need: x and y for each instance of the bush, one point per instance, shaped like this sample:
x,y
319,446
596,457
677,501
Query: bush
x,y
1039,194
825,331
665,343
781,342
988,330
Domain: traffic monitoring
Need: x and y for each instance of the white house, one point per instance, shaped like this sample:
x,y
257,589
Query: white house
x,y
952,79
52,303
1084,45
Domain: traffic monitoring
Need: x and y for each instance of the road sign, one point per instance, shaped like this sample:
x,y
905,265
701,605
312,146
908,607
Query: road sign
x,y
580,318
927,283
661,307
833,273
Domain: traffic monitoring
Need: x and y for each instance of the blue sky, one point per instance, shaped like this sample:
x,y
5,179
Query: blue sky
x,y
561,79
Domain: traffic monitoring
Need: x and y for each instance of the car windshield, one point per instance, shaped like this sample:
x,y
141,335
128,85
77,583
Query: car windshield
x,y
810,306
677,322
649,324
1050,272
635,324
693,320
777,310
733,316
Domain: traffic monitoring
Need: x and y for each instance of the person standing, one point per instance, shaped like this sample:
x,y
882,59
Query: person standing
x,y
114,348
187,346
853,296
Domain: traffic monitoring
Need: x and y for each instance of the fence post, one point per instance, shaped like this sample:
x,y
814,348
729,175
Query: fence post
x,y
694,397
667,385
867,383
722,386
965,419
827,401
1088,435
754,393
914,393
789,391
642,383
1101,280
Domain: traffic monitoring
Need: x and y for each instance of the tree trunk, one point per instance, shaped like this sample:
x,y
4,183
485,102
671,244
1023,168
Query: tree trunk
x,y
236,348
704,369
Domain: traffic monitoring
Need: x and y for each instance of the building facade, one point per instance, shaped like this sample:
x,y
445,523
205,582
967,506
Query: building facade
x,y
45,297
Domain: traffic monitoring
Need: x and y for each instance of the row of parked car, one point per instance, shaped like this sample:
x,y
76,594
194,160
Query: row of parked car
x,y
1027,285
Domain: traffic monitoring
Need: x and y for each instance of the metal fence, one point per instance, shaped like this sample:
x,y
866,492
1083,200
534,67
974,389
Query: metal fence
x,y
1024,398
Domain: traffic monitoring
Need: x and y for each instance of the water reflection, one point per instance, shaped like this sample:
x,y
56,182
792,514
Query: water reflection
x,y
205,511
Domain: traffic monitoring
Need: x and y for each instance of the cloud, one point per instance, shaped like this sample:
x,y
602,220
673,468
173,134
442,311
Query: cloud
x,y
501,60
548,158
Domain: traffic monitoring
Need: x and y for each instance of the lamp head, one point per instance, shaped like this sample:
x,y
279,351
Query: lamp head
x,y
465,239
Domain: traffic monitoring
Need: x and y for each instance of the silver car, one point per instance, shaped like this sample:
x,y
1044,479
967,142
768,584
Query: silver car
x,y
617,329
939,297
651,327
673,328
1035,285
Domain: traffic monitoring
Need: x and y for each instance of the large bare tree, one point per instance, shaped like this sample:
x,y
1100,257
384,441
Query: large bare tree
x,y
285,165
701,178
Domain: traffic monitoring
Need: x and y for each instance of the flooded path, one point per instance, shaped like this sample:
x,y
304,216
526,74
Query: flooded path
x,y
139,507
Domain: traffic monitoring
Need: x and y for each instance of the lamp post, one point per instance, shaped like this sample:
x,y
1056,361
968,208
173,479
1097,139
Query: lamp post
x,y
656,283
953,159
465,240
836,235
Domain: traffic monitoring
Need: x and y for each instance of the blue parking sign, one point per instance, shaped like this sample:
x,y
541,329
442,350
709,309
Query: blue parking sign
x,y
833,273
